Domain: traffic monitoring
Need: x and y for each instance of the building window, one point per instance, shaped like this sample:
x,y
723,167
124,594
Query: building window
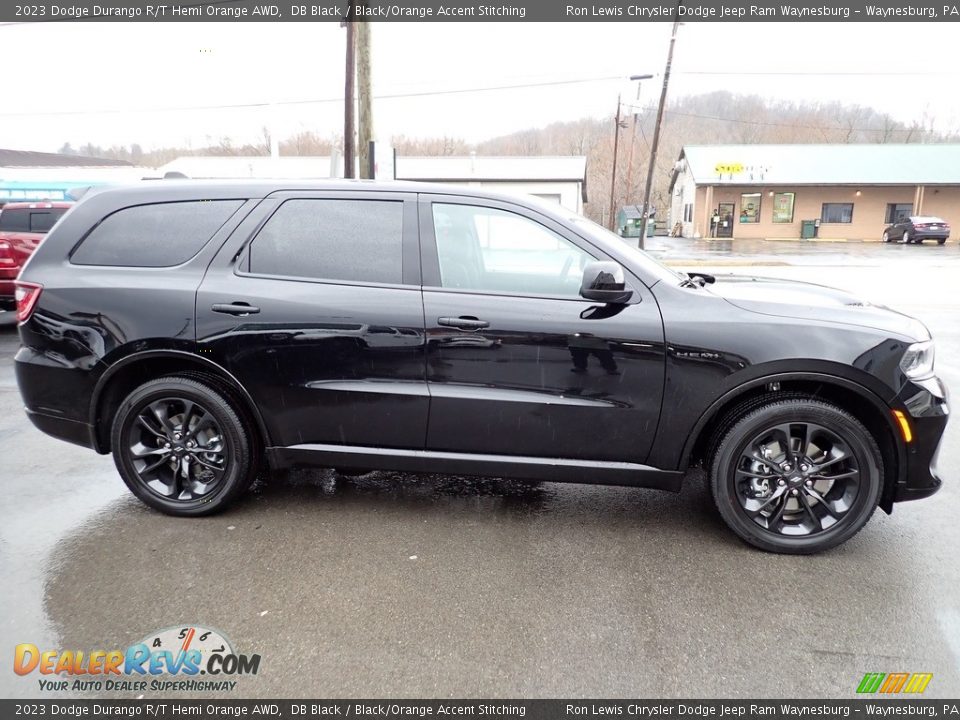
x,y
898,211
750,208
837,213
783,207
688,212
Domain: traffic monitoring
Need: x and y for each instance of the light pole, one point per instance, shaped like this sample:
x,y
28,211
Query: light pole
x,y
616,145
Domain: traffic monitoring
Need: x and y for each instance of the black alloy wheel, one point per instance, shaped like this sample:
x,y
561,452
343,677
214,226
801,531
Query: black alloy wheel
x,y
181,447
797,476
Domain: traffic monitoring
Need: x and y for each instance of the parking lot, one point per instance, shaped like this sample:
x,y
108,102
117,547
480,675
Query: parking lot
x,y
408,586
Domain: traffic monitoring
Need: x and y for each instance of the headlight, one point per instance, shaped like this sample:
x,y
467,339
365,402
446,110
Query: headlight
x,y
917,361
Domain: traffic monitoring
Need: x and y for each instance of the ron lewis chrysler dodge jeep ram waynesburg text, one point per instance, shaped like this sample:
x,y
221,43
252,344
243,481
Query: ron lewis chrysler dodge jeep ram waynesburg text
x,y
201,331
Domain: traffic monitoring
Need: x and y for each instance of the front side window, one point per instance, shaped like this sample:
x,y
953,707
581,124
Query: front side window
x,y
490,250
837,213
320,239
157,235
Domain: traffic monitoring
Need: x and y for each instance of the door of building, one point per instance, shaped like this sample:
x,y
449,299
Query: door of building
x,y
725,224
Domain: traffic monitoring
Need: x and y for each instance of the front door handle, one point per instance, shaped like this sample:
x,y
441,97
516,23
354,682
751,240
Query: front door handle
x,y
463,323
237,308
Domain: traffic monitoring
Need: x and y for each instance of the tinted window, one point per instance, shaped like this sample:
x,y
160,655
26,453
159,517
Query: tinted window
x,y
157,235
837,213
493,250
356,240
15,220
42,220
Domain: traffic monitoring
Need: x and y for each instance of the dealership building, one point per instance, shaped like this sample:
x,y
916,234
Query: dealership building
x,y
847,192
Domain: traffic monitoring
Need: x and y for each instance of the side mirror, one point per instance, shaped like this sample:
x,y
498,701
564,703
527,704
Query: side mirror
x,y
603,281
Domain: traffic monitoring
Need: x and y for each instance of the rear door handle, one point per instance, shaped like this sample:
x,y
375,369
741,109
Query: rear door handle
x,y
237,308
463,323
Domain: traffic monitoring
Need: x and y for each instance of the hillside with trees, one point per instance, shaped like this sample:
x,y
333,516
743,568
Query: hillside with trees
x,y
718,117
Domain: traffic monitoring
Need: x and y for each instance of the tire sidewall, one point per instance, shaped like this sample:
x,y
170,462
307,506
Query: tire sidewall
x,y
858,439
237,445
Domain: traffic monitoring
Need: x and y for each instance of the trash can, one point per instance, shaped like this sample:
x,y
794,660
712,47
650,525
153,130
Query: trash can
x,y
651,226
808,229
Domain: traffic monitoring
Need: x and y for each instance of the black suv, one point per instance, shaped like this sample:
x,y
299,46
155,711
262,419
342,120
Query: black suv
x,y
203,331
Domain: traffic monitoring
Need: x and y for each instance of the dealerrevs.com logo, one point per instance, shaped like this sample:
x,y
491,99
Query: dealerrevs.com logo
x,y
167,660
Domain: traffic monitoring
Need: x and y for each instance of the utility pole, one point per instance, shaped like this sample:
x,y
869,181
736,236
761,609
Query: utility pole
x,y
656,131
348,100
613,174
364,100
633,133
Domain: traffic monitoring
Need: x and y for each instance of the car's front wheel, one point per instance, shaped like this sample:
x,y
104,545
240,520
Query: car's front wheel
x,y
797,476
886,237
182,447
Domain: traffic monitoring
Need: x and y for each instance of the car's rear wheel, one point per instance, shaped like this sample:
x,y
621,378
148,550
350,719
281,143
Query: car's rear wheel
x,y
797,476
906,238
182,448
941,242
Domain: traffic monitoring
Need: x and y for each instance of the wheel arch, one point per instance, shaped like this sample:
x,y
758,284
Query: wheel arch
x,y
133,370
851,396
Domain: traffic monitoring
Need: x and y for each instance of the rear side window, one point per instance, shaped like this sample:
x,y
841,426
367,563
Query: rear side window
x,y
42,220
159,235
353,240
15,220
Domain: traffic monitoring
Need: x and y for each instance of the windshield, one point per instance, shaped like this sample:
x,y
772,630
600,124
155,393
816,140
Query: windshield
x,y
606,239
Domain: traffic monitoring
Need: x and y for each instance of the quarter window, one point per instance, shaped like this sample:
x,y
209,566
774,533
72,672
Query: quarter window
x,y
352,240
492,250
837,213
157,235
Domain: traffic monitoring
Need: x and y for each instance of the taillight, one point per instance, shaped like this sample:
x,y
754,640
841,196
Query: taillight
x,y
921,226
27,294
6,254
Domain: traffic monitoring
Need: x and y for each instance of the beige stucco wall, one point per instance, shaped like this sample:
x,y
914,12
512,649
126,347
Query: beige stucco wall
x,y
869,209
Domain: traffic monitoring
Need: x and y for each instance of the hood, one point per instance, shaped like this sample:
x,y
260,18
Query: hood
x,y
817,303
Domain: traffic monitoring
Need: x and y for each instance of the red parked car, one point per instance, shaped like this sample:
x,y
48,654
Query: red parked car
x,y
22,227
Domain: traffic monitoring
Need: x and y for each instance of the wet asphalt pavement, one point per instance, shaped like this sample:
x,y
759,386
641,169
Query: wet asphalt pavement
x,y
435,586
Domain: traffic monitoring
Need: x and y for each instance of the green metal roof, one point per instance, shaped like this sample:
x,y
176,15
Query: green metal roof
x,y
861,164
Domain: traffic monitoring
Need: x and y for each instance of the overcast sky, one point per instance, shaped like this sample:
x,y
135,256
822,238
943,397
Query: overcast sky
x,y
148,73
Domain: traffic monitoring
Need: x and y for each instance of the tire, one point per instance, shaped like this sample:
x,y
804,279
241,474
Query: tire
x,y
886,237
151,438
796,510
941,242
906,238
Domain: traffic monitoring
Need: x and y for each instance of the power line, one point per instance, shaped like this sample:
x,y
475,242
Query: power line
x,y
314,101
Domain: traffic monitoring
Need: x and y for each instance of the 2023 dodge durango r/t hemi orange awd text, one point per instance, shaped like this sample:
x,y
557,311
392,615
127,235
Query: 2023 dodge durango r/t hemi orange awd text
x,y
202,331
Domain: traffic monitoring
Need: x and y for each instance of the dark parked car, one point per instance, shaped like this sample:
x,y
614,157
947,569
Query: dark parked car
x,y
916,229
22,227
201,332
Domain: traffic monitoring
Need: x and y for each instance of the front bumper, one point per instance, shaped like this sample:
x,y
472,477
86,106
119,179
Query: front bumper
x,y
927,405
